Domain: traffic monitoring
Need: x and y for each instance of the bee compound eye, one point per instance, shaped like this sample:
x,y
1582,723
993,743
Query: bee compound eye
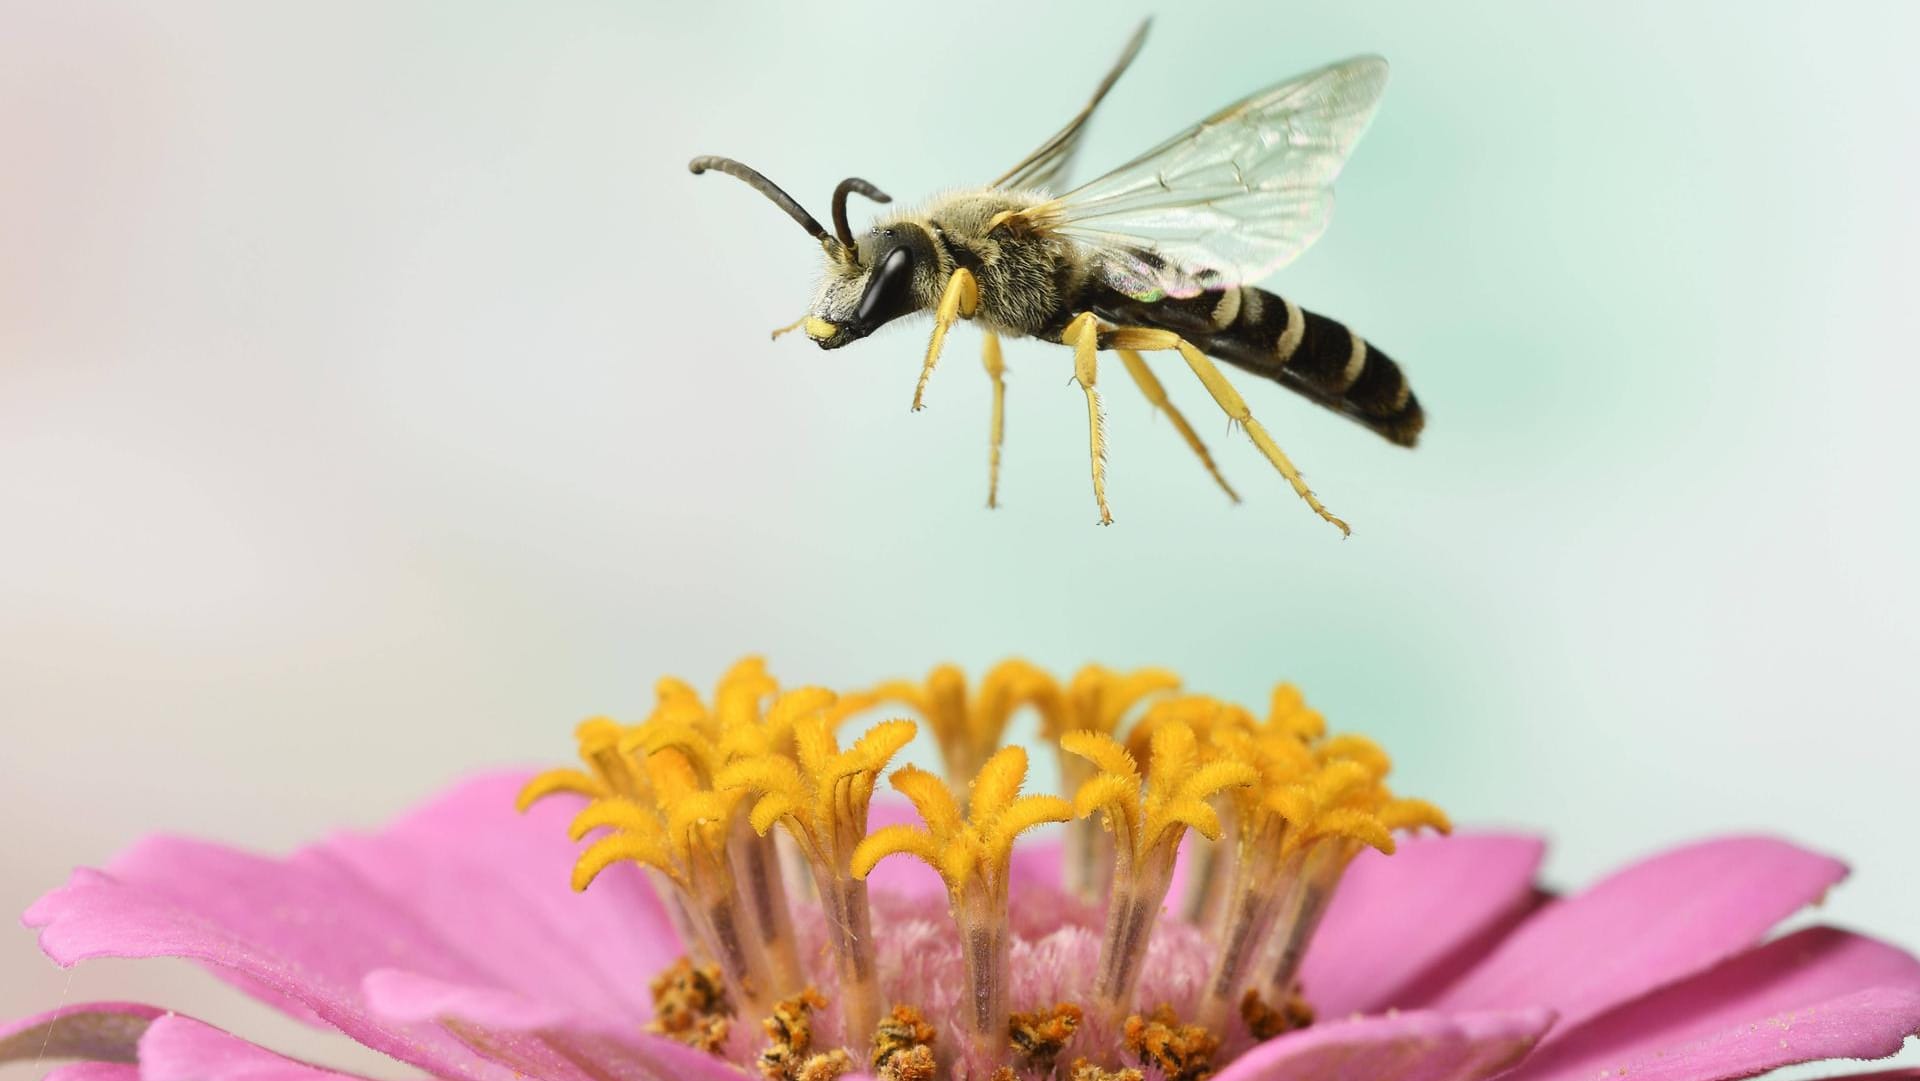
x,y
889,292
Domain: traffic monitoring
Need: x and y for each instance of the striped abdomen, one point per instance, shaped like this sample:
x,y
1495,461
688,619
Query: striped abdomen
x,y
1271,336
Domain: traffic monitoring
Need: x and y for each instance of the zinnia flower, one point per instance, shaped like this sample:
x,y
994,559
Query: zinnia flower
x,y
1235,897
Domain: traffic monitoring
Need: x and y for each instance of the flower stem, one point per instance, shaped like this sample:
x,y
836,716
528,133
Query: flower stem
x,y
684,925
1209,872
742,965
1131,914
1300,914
1256,893
766,894
985,949
849,930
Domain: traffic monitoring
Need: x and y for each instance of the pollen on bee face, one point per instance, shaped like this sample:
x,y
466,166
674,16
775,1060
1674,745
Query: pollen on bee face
x,y
749,811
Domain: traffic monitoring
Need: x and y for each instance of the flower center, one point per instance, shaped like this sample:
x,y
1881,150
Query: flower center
x,y
694,793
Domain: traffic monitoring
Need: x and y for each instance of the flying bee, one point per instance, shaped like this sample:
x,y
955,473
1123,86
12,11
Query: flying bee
x,y
1158,255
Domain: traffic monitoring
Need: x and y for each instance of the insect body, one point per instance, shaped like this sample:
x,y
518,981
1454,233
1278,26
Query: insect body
x,y
1157,255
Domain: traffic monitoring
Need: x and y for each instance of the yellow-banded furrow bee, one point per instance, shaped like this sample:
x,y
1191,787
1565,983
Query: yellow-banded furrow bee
x,y
1155,255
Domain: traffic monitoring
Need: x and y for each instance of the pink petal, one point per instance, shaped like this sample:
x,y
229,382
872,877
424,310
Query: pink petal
x,y
1036,865
93,1071
1401,923
1416,1046
495,883
571,1056
179,1048
1647,926
1814,995
538,1040
402,996
105,1031
298,934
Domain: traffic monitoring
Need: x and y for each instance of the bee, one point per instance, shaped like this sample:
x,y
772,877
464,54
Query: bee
x,y
1158,255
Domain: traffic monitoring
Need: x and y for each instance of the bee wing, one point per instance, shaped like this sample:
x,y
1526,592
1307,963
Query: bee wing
x,y
1049,162
1231,199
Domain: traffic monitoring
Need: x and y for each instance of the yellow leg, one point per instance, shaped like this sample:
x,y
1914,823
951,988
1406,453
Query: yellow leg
x,y
795,325
1157,395
959,300
1228,399
1084,335
996,371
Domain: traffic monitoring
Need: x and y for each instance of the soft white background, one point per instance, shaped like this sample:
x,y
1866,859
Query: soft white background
x,y
379,395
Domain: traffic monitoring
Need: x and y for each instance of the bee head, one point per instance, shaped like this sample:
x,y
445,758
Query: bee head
x,y
870,280
890,272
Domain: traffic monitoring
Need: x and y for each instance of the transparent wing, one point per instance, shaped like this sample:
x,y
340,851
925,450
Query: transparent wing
x,y
1231,199
1049,162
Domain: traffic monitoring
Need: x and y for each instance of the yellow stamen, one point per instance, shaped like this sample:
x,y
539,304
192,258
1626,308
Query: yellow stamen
x,y
967,727
1273,748
693,794
1317,807
1287,711
821,794
616,774
1098,699
1146,836
613,773
1182,1052
972,855
690,1005
652,788
737,726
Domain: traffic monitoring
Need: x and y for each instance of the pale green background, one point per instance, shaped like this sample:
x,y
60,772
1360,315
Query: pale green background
x,y
379,395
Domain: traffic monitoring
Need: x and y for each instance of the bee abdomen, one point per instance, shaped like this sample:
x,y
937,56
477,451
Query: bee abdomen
x,y
1321,357
1305,351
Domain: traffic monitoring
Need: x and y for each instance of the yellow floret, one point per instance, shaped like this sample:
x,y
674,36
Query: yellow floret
x,y
971,850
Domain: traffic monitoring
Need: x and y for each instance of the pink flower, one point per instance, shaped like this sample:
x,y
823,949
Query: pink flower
x,y
451,941
737,911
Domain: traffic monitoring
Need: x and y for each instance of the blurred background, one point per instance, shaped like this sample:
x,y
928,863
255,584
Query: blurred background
x,y
379,395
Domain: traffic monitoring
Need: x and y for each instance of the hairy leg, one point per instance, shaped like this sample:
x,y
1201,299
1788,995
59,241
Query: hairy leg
x,y
1229,400
959,300
996,371
1157,395
1084,335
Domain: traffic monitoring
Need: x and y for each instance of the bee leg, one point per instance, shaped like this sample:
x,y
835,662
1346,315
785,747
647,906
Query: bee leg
x,y
1229,400
959,300
1084,335
996,371
1157,396
795,325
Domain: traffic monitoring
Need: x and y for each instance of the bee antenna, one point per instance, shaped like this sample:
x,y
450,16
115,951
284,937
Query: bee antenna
x,y
766,187
852,184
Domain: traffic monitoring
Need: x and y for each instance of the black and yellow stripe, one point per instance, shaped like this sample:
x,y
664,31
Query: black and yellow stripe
x,y
1271,336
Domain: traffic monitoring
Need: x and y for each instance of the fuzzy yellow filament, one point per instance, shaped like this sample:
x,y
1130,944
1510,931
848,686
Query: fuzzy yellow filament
x,y
1314,810
1219,724
972,854
1146,836
967,726
693,794
820,794
1096,699
735,727
684,835
1309,894
615,774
